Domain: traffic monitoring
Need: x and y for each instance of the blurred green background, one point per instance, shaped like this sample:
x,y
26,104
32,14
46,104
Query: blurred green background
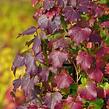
x,y
15,16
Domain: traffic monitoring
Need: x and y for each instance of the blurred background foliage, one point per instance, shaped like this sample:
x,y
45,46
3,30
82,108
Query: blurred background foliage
x,y
15,16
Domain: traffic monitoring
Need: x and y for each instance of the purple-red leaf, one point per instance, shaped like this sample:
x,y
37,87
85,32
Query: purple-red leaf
x,y
84,60
36,45
100,92
83,5
18,62
32,106
62,3
107,68
40,57
95,38
49,25
63,79
69,103
28,31
52,99
79,34
44,74
105,24
58,43
27,85
31,67
96,75
73,3
54,25
48,4
58,58
16,83
70,14
43,22
88,91
98,11
21,107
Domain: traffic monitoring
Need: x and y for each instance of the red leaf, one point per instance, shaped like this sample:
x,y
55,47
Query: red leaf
x,y
100,92
79,34
84,59
50,26
96,75
63,79
32,106
95,38
102,52
52,99
69,103
58,58
105,24
58,43
88,91
107,69
71,14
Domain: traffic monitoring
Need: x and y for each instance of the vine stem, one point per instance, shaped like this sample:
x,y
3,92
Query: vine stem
x,y
77,72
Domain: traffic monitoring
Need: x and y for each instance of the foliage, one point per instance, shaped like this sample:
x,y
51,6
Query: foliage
x,y
67,64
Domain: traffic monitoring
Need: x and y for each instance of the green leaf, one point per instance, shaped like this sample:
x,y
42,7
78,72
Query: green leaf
x,y
83,81
105,36
73,89
103,1
85,16
107,40
98,103
55,35
65,92
104,18
64,24
105,85
70,69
